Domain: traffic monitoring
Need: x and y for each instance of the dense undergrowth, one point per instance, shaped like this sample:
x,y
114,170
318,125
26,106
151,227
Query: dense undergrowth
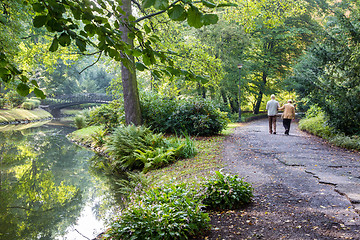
x,y
316,123
169,201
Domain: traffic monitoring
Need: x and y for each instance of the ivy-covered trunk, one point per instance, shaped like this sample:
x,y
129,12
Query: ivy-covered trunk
x,y
128,76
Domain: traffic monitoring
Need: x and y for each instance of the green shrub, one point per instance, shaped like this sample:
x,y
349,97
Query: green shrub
x,y
226,192
14,99
164,213
2,102
193,116
156,111
28,105
79,121
99,137
139,148
126,141
106,115
317,125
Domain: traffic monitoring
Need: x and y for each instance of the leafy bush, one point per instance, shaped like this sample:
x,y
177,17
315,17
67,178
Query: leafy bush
x,y
79,121
107,115
226,192
316,124
2,102
99,137
193,116
169,212
188,149
156,111
139,148
28,105
14,99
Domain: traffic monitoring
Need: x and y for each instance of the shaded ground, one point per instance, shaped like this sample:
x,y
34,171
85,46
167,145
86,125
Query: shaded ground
x,y
304,188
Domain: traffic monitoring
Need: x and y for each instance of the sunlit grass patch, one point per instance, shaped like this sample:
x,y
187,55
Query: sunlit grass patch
x,y
22,114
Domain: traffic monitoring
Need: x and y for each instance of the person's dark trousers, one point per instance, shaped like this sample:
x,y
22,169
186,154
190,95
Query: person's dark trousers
x,y
286,124
272,124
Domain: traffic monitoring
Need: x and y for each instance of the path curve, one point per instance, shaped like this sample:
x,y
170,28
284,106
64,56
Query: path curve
x,y
306,187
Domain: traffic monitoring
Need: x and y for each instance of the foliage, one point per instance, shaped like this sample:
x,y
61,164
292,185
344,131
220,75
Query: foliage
x,y
198,117
79,121
2,102
106,115
139,148
224,191
99,137
14,99
192,116
168,212
28,105
328,76
316,123
156,111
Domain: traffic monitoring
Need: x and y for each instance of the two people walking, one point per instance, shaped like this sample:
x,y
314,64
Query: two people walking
x,y
273,107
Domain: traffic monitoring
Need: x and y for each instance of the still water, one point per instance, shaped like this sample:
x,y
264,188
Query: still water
x,y
48,186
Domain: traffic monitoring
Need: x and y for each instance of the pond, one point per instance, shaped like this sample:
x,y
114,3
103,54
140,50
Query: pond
x,y
48,188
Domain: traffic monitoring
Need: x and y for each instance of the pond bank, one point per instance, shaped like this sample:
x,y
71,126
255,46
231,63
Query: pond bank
x,y
22,116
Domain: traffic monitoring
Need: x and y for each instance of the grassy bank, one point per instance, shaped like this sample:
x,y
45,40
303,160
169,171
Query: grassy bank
x,y
191,170
17,115
317,125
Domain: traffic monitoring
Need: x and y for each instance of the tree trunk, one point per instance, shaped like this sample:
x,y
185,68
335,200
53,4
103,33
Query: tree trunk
x,y
224,97
260,95
128,76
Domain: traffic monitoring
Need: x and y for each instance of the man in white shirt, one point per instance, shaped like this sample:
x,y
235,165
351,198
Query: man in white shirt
x,y
272,107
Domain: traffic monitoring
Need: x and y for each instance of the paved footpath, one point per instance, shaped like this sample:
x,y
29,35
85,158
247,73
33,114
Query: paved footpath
x,y
297,174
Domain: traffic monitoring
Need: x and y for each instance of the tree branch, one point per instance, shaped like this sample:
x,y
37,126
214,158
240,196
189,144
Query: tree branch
x,y
156,13
97,60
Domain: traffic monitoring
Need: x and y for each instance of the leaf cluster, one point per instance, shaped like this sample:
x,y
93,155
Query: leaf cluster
x,y
225,191
168,212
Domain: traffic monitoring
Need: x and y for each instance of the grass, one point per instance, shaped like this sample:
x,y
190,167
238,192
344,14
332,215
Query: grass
x,y
13,115
84,135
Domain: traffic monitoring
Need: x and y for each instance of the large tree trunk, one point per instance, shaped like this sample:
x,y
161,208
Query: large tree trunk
x,y
128,76
260,95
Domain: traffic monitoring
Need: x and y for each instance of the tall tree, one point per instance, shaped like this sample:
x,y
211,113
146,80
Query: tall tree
x,y
72,21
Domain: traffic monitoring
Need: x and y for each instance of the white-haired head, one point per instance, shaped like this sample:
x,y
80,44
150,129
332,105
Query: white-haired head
x,y
289,101
272,96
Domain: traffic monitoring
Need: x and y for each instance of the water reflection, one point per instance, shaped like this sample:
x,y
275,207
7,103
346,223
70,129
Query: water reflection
x,y
46,189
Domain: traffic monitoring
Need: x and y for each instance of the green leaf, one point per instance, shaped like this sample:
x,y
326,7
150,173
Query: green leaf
x,y
33,82
140,66
176,13
64,40
148,3
39,21
90,29
81,44
54,45
23,89
136,53
39,93
147,29
202,79
161,4
194,17
209,4
54,25
38,7
209,19
146,60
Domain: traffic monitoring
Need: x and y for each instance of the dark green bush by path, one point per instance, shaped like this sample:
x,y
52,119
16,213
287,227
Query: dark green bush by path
x,y
165,213
225,191
317,124
133,147
193,116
